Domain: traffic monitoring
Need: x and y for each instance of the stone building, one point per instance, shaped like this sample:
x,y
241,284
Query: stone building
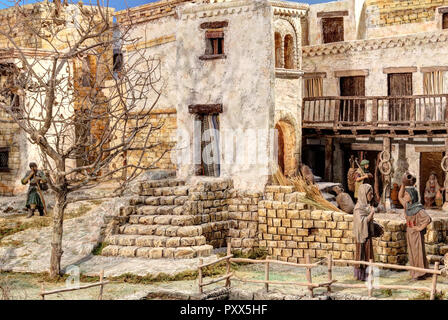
x,y
335,79
375,81
218,64
21,44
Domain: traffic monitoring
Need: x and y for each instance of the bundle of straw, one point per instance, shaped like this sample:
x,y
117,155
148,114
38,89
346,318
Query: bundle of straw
x,y
313,196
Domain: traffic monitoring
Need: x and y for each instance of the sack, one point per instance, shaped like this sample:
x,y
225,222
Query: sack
x,y
43,186
351,179
378,230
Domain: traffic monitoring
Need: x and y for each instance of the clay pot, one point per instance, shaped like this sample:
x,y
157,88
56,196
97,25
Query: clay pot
x,y
408,179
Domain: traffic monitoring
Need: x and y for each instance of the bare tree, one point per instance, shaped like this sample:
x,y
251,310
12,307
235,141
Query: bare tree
x,y
75,98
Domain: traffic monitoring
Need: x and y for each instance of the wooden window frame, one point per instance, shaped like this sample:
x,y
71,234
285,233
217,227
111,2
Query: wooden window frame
x,y
323,23
214,37
7,168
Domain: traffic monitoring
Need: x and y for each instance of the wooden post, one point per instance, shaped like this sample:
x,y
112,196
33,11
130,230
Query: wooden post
x,y
266,276
387,178
328,159
412,113
100,296
434,281
445,183
337,106
375,112
330,272
229,252
308,274
201,261
42,291
370,279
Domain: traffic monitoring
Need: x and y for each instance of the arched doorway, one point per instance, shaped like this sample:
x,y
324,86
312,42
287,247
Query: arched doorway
x,y
286,142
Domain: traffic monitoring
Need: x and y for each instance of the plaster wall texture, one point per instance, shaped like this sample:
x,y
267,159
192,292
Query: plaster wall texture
x,y
243,82
156,40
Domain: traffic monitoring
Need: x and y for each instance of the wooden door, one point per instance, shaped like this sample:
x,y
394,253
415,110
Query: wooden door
x,y
399,84
352,110
445,21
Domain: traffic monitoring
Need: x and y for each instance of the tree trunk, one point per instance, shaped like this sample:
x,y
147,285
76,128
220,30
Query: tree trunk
x,y
56,242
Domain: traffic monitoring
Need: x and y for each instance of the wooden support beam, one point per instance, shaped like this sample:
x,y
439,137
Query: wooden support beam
x,y
387,178
332,14
214,25
399,70
430,148
329,159
205,108
351,73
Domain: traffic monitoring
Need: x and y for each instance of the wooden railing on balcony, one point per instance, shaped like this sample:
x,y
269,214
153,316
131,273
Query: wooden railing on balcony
x,y
398,111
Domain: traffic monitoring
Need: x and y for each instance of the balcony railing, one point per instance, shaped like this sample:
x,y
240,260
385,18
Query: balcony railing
x,y
418,111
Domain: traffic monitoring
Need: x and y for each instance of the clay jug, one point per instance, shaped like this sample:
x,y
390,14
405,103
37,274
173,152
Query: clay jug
x,y
408,179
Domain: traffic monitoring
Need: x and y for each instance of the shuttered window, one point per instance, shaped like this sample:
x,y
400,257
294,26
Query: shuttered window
x,y
4,158
215,42
333,29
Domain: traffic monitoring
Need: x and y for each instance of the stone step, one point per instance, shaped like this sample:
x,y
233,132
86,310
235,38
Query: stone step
x,y
159,200
161,210
166,219
158,252
154,241
161,230
152,184
165,191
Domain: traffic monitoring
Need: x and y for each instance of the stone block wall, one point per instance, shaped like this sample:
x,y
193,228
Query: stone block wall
x,y
436,238
9,134
164,138
209,199
289,229
392,12
391,247
243,213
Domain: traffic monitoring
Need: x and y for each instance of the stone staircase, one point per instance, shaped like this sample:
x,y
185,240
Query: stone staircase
x,y
159,224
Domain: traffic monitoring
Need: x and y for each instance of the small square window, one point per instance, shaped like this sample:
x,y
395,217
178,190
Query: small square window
x,y
214,45
215,42
4,158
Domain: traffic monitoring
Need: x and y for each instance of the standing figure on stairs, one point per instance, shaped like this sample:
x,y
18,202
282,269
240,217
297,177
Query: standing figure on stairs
x,y
363,229
33,201
416,222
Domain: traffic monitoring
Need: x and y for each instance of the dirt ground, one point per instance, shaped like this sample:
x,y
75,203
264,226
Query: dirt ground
x,y
28,286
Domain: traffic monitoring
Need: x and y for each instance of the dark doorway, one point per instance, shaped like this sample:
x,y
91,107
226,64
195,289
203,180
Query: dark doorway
x,y
314,157
445,21
399,84
352,110
281,148
347,152
429,162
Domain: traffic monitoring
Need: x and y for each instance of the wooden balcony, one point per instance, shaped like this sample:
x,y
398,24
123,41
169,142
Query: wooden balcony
x,y
418,115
